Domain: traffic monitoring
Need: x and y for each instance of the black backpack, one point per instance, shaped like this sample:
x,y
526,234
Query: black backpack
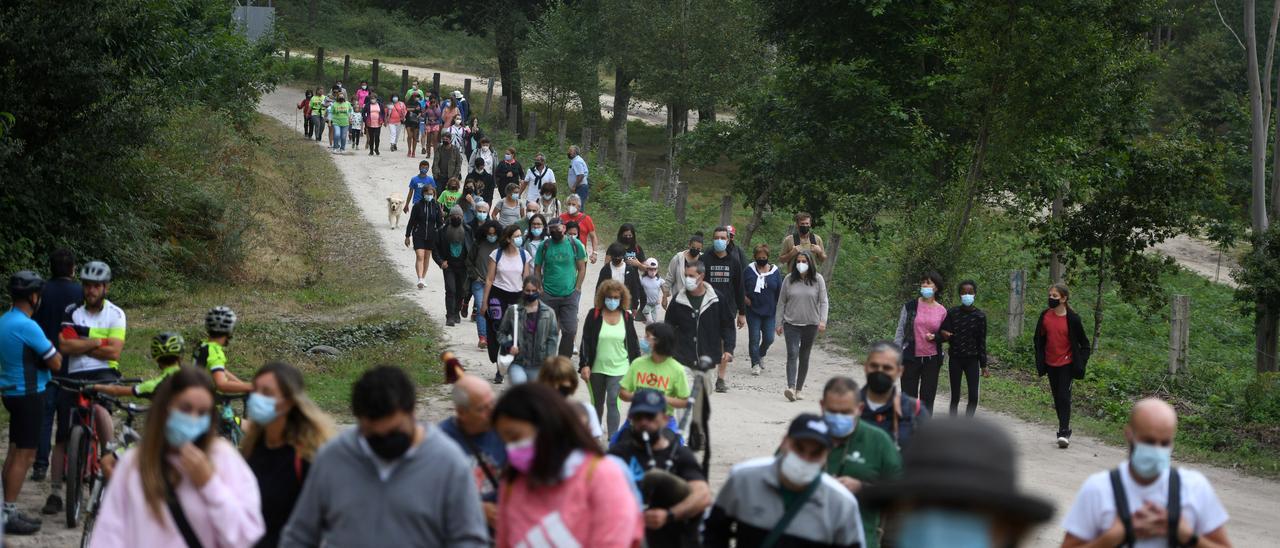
x,y
1173,507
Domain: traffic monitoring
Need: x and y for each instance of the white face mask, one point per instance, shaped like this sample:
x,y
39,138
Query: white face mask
x,y
573,210
690,283
802,267
799,471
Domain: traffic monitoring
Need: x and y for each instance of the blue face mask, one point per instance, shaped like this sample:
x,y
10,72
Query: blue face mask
x,y
492,238
536,232
644,345
955,529
261,409
1149,461
482,215
612,304
518,240
182,428
720,245
926,292
841,425
966,300
422,171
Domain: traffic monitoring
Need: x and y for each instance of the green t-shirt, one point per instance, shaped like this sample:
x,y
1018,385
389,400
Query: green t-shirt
x,y
611,349
559,262
449,197
317,105
668,377
868,456
147,388
341,113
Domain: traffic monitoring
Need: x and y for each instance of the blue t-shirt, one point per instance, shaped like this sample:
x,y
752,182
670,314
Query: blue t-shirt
x,y
23,350
418,183
57,296
493,454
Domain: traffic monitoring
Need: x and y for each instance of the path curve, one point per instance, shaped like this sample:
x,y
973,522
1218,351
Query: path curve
x,y
751,418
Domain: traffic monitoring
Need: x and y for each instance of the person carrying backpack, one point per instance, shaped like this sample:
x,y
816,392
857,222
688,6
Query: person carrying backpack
x,y
509,265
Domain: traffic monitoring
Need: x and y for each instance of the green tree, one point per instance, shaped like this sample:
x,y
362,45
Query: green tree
x,y
562,57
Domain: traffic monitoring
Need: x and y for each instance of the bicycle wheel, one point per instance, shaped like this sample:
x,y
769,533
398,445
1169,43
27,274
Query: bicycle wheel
x,y
91,511
78,449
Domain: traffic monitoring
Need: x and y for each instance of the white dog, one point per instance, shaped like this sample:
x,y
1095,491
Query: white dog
x,y
394,207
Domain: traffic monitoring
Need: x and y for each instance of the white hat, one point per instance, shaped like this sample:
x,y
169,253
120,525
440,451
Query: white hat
x,y
457,94
651,263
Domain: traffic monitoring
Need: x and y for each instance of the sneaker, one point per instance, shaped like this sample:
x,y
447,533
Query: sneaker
x,y
483,344
422,285
790,394
36,520
15,525
38,473
463,311
1063,442
799,396
497,378
755,370
448,322
52,505
721,387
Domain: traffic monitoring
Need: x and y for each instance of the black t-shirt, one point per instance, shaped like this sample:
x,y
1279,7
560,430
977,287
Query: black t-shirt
x,y
280,475
678,460
58,294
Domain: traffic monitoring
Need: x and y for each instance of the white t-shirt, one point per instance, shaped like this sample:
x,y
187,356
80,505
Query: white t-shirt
x,y
108,323
509,275
618,273
1094,510
533,190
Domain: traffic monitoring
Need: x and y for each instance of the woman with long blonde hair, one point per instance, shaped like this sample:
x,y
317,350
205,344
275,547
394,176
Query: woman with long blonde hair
x,y
285,431
183,485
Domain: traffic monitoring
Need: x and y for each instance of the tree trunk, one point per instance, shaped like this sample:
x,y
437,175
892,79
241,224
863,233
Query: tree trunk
x,y
313,7
1258,126
1097,302
621,99
1266,326
1055,258
509,71
590,99
707,114
759,206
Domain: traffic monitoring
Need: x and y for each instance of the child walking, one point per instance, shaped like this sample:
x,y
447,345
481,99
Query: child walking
x,y
652,284
357,128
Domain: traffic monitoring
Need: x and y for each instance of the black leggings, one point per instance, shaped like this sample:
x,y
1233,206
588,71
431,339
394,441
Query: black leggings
x,y
499,301
920,378
967,366
455,286
1060,385
306,126
375,137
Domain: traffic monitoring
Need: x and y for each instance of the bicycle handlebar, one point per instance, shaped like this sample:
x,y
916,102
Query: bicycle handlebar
x,y
74,385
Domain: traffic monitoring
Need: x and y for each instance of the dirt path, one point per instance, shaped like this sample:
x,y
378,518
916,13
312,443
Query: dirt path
x,y
1200,257
750,419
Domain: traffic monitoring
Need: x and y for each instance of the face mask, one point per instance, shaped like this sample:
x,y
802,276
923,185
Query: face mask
x,y
182,428
455,221
531,296
429,197
841,425
966,300
422,171
482,215
926,292
565,391
934,527
518,240
364,87
694,252
537,163
690,283
762,262
395,99
536,232
492,238
506,157
573,210
261,409
485,148
390,446
798,470
802,267
803,230
644,345
1149,461
520,455
557,236
612,304
879,382
1053,303
720,245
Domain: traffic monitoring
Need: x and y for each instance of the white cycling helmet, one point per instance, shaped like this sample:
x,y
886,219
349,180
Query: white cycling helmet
x,y
220,319
95,271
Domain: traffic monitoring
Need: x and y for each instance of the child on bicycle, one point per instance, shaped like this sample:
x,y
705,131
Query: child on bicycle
x,y
166,350
211,355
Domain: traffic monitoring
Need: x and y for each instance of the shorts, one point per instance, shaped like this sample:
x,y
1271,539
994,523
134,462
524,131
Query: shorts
x,y
26,415
65,399
422,243
433,128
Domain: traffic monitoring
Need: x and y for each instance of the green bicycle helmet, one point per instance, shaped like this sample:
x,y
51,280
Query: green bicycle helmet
x,y
95,271
168,344
220,319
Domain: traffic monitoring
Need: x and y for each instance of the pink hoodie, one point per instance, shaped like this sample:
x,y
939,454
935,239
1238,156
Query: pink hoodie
x,y
599,511
225,512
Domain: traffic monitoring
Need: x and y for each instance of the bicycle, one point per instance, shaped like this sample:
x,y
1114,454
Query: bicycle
x,y
126,438
83,463
230,424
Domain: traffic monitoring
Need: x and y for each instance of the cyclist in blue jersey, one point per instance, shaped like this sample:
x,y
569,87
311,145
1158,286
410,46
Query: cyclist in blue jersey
x,y
26,358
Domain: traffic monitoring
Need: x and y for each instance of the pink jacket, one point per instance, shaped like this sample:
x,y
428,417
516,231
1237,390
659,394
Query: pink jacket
x,y
225,512
593,507
361,95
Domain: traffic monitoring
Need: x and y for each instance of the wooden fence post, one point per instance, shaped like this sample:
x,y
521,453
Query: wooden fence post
x,y
376,72
435,84
320,67
1017,304
726,210
603,153
833,251
533,124
586,141
564,124
286,55
628,171
620,139
659,181
488,97
346,69
404,82
1179,332
466,90
682,200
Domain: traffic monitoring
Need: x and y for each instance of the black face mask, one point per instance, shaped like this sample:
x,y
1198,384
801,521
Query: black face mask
x,y
879,382
762,262
1053,303
557,236
455,221
565,391
694,252
531,297
390,446
803,230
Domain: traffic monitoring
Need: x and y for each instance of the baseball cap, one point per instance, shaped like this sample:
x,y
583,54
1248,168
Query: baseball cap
x,y
808,426
651,263
731,229
647,401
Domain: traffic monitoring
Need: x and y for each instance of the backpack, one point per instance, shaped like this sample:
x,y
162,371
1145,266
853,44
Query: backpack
x,y
411,117
524,258
1173,507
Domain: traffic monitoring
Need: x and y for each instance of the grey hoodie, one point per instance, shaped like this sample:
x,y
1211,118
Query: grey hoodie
x,y
429,498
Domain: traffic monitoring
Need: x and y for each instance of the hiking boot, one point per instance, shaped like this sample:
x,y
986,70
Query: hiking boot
x,y
15,525
755,370
52,505
721,386
497,378
790,393
38,473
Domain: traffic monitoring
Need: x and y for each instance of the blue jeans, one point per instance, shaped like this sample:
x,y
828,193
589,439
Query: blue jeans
x,y
477,295
582,191
340,137
520,374
759,336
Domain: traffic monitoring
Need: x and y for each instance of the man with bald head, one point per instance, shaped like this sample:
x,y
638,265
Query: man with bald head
x,y
471,428
1158,505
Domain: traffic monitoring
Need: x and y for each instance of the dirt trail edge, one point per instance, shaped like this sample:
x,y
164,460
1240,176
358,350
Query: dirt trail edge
x,y
750,419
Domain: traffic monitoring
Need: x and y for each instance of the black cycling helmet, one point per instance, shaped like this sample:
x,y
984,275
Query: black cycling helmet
x,y
25,282
220,320
168,344
95,271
